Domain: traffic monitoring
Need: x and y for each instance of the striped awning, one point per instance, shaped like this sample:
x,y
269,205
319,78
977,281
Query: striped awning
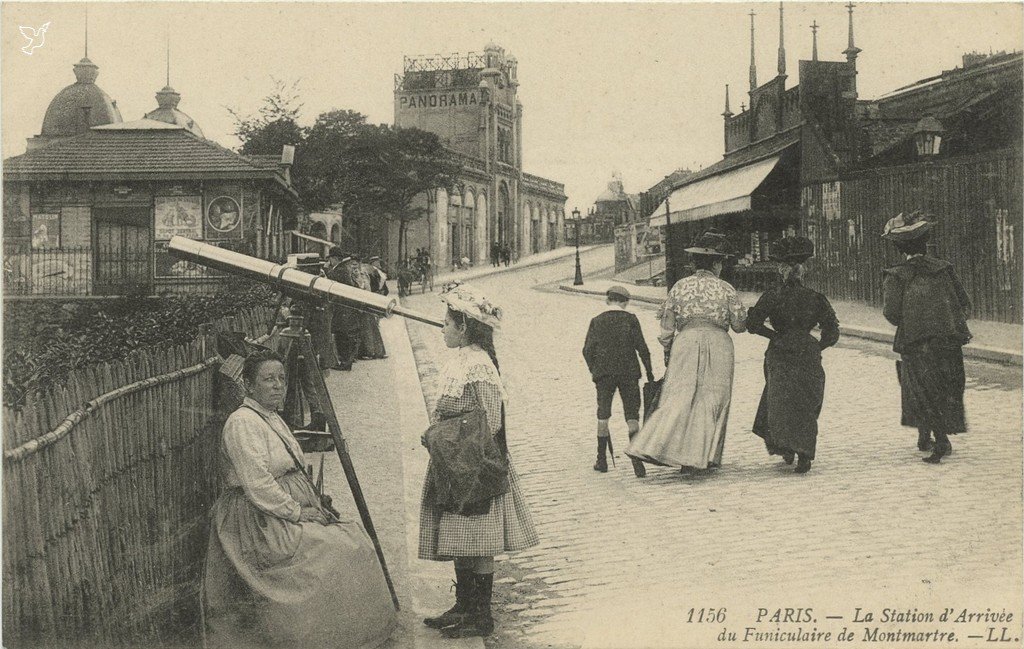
x,y
724,193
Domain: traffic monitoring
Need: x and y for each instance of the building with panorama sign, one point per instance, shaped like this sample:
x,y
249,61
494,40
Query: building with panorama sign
x,y
470,102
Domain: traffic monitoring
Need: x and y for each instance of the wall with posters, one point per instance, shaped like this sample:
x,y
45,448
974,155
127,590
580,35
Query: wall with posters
x,y
52,232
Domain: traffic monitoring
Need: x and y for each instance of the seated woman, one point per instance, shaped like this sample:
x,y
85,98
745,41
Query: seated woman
x,y
281,570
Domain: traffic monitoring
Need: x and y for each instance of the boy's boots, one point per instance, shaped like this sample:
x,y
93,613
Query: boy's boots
x,y
638,467
602,445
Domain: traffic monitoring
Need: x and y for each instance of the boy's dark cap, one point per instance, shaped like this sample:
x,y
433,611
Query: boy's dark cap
x,y
619,292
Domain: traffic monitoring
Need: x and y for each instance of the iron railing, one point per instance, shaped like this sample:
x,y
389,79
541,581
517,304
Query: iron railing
x,y
92,271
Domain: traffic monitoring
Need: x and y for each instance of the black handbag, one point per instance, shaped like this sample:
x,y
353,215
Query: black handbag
x,y
652,395
469,466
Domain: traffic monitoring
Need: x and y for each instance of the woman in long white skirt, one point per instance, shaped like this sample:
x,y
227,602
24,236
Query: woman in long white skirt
x,y
688,428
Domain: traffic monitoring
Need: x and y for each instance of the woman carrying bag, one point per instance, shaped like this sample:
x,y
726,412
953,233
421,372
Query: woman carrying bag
x,y
688,427
457,526
924,299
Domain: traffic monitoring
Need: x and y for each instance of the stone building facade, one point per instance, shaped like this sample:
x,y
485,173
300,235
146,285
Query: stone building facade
x,y
470,102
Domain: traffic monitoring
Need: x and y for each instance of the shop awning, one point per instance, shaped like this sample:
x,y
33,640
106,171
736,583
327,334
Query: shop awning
x,y
724,193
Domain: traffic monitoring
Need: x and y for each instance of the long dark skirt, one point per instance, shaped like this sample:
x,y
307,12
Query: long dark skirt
x,y
371,344
794,387
932,381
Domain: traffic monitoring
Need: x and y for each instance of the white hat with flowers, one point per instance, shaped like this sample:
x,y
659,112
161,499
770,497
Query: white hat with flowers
x,y
469,301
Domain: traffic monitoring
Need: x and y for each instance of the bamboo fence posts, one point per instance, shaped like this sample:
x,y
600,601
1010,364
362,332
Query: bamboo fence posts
x,y
107,485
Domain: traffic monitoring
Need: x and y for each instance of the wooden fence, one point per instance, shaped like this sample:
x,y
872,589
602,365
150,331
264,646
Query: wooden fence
x,y
107,486
977,201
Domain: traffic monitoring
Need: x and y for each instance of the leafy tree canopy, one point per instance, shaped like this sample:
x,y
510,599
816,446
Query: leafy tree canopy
x,y
375,170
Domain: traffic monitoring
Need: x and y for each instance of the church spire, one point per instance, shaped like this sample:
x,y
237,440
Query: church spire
x,y
814,36
782,45
753,65
851,50
728,113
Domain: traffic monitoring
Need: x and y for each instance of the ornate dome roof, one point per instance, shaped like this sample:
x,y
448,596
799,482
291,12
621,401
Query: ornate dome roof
x,y
167,101
80,106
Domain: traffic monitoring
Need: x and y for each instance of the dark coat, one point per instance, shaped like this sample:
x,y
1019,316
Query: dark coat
x,y
794,380
614,340
376,285
924,298
344,319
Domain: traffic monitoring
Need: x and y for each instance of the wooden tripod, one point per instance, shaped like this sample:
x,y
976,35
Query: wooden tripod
x,y
297,351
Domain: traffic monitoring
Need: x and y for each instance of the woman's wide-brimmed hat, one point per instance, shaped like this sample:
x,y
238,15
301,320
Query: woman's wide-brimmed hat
x,y
711,242
469,301
908,227
792,250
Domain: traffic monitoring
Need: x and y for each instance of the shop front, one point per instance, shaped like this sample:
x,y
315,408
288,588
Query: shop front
x,y
754,204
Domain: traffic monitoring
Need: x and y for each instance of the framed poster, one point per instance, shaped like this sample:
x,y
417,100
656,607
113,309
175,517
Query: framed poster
x,y
223,218
177,216
46,230
167,266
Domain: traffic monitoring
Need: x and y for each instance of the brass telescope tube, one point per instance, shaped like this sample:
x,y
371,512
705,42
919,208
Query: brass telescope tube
x,y
292,279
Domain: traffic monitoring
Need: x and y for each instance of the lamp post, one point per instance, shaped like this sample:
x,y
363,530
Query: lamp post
x,y
928,137
579,272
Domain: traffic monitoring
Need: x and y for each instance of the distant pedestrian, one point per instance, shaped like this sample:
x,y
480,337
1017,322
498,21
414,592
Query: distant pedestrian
x,y
470,382
614,341
378,278
405,279
688,428
346,322
924,298
506,255
794,380
495,254
371,344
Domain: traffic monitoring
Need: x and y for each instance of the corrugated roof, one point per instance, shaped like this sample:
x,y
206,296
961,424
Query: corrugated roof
x,y
136,153
753,153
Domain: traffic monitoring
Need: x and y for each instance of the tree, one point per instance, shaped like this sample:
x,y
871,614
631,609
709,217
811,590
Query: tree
x,y
404,163
274,124
376,171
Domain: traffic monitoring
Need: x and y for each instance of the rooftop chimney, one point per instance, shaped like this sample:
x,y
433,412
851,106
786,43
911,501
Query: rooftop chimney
x,y
287,159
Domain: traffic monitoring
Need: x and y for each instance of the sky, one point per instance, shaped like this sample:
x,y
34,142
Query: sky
x,y
636,89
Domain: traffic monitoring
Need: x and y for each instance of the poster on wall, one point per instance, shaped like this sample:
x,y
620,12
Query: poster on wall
x,y
177,216
167,266
223,218
45,230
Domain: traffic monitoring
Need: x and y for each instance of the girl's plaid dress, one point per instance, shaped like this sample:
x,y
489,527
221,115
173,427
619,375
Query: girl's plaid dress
x,y
467,381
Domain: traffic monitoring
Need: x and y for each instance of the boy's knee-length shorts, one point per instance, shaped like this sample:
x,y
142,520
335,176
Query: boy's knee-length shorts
x,y
629,392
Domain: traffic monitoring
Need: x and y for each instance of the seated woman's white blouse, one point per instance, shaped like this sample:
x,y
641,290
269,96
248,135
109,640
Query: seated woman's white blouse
x,y
255,457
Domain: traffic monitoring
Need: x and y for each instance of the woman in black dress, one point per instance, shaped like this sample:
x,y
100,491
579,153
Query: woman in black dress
x,y
924,298
794,385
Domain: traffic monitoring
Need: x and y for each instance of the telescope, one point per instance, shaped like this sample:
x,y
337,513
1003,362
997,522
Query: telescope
x,y
289,279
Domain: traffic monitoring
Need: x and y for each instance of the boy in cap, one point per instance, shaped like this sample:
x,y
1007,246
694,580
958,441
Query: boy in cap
x,y
614,340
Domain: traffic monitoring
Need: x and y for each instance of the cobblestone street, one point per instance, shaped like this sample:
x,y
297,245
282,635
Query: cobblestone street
x,y
623,560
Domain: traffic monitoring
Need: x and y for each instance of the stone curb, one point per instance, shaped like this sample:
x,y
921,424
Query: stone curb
x,y
980,352
428,581
521,265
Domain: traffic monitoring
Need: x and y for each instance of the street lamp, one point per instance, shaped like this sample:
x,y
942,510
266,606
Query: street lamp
x,y
928,137
579,273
